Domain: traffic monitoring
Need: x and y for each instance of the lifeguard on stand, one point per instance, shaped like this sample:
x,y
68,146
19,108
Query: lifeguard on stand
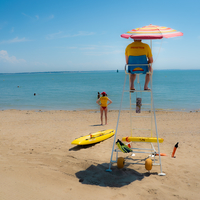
x,y
139,59
136,66
137,48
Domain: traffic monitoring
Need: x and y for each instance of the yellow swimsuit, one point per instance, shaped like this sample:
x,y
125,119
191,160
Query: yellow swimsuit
x,y
104,102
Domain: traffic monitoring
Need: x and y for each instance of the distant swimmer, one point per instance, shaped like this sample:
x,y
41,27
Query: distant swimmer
x,y
98,95
103,102
34,94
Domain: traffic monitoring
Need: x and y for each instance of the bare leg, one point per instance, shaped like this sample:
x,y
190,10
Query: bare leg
x,y
147,79
101,111
106,115
132,79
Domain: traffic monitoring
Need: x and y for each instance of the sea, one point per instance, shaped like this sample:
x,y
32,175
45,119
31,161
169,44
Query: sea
x,y
176,90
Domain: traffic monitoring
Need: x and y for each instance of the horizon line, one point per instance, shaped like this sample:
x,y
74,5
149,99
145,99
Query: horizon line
x,y
80,71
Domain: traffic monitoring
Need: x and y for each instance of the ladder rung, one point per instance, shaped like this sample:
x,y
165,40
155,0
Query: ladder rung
x,y
142,111
137,91
141,129
142,116
142,104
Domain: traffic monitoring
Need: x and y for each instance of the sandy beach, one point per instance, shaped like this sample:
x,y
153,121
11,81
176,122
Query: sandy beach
x,y
38,161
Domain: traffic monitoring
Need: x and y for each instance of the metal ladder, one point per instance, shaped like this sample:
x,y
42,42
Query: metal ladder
x,y
152,117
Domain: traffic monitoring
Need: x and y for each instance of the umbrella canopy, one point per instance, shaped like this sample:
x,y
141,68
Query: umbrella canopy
x,y
151,32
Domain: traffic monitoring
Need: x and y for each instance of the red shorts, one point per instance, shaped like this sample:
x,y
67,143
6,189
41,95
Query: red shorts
x,y
104,108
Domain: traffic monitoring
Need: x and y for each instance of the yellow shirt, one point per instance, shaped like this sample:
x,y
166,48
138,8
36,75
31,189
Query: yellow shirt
x,y
104,101
137,48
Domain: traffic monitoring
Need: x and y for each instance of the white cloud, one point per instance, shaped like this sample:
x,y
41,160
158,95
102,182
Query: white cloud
x,y
2,24
27,15
36,16
14,40
51,17
83,33
88,48
39,64
100,53
72,47
60,34
98,50
100,47
54,35
9,59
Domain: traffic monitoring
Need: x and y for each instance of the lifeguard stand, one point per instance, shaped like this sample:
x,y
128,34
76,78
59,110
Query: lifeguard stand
x,y
138,65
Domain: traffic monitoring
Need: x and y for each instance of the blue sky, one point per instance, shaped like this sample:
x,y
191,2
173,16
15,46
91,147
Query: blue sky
x,y
82,35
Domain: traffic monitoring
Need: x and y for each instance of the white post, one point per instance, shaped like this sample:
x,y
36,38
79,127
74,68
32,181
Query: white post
x,y
109,170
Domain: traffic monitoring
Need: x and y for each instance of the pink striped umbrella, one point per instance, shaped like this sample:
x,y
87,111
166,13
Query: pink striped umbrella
x,y
151,32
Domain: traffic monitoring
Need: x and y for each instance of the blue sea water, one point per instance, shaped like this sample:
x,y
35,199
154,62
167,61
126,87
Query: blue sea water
x,y
172,89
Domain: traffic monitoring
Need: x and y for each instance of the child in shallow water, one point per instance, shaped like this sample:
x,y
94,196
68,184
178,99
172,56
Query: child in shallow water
x,y
103,102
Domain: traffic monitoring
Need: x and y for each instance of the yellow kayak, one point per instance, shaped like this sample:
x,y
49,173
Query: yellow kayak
x,y
142,139
94,137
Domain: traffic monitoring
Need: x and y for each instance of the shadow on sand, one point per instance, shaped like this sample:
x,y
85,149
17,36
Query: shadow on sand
x,y
97,175
79,147
96,125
